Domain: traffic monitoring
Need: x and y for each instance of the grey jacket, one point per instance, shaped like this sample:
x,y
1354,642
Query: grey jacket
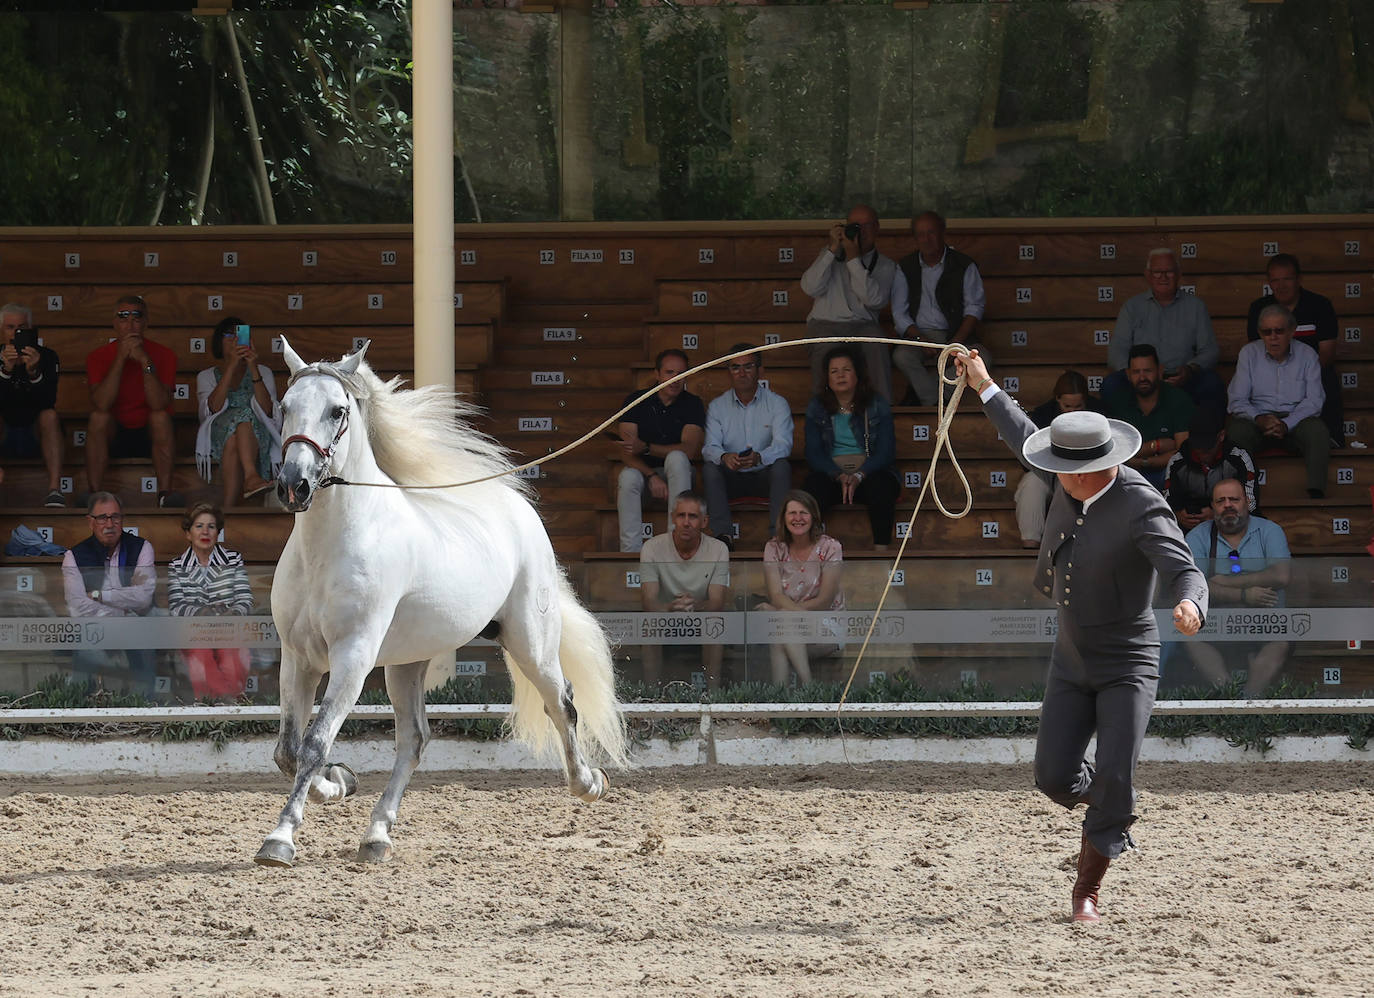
x,y
1103,568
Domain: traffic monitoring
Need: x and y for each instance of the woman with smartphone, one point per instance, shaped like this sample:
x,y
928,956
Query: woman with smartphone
x,y
240,419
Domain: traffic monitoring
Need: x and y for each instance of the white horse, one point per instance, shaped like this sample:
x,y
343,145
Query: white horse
x,y
396,578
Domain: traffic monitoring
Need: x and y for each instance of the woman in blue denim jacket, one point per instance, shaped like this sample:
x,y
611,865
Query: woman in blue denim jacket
x,y
851,444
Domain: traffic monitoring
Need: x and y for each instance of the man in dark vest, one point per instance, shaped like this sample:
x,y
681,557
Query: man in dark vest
x,y
110,574
937,295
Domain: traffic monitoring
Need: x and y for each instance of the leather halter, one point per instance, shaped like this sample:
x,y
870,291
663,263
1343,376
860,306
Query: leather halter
x,y
327,453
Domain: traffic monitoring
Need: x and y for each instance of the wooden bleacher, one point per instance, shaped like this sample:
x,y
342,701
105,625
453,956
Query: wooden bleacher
x,y
595,302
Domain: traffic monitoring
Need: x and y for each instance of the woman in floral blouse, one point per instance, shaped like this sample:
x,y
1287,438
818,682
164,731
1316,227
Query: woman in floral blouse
x,y
802,568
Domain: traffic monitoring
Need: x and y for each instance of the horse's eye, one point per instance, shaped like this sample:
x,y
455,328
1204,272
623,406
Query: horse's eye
x,y
338,413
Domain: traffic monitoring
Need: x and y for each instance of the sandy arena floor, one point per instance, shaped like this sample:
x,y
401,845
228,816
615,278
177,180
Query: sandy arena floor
x,y
891,880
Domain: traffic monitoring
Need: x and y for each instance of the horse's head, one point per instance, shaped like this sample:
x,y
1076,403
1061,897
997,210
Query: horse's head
x,y
317,410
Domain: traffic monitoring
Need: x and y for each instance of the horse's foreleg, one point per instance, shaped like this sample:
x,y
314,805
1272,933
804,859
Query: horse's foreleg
x,y
345,683
405,684
297,698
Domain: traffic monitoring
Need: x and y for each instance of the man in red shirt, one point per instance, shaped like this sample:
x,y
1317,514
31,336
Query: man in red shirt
x,y
131,383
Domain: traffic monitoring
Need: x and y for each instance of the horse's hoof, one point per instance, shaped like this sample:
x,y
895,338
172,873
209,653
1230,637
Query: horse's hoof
x,y
337,772
374,852
275,852
601,786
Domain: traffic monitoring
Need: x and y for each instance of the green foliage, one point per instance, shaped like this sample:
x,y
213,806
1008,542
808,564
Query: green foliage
x,y
773,111
111,116
1226,172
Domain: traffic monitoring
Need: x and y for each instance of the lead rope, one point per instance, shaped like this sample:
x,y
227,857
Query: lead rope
x,y
945,412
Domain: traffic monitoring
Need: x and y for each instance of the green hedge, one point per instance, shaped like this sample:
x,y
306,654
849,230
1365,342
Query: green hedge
x,y
1247,731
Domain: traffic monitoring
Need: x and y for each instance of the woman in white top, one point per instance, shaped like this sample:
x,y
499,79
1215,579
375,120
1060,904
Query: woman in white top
x,y
802,569
240,420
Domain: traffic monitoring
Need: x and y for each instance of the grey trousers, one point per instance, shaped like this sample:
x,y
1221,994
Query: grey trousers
x,y
677,472
876,355
911,361
1101,680
722,485
1033,496
1310,438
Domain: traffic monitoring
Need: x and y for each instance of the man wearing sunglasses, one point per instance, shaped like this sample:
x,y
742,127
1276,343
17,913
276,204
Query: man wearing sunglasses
x,y
110,574
131,380
1247,564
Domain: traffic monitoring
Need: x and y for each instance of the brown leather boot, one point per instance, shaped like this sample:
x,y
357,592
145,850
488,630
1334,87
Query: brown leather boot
x,y
1091,866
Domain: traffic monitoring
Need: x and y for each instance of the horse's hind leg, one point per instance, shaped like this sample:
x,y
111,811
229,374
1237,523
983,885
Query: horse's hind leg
x,y
556,692
405,684
585,782
345,683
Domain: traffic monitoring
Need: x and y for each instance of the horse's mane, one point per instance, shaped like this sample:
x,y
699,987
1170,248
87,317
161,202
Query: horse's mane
x,y
424,436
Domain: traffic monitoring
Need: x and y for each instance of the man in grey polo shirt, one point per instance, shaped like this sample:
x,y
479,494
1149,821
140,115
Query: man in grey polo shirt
x,y
1177,325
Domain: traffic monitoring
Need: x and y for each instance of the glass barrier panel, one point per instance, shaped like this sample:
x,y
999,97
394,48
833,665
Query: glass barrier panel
x,y
959,628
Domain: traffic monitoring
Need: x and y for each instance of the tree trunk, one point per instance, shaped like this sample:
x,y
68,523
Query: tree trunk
x,y
267,210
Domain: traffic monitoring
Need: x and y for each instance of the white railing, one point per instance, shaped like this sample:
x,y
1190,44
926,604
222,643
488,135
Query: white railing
x,y
704,712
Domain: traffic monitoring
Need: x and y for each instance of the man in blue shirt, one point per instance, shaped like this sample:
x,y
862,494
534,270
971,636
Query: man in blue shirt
x,y
748,442
1246,561
1275,397
1316,319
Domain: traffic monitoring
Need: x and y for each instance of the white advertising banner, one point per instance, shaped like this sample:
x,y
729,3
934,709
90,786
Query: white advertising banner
x,y
51,633
729,628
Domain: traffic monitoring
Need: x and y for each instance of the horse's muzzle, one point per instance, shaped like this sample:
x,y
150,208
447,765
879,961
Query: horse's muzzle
x,y
294,492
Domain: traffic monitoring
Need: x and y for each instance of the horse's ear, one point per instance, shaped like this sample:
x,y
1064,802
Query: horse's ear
x,y
349,365
293,360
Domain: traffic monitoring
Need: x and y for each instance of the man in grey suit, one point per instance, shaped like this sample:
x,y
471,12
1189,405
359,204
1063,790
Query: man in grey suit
x,y
1108,537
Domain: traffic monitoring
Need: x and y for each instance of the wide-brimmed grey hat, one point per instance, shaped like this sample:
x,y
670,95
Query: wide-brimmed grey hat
x,y
1081,442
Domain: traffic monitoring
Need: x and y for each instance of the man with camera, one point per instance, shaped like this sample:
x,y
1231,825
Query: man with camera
x,y
131,383
937,296
851,283
28,397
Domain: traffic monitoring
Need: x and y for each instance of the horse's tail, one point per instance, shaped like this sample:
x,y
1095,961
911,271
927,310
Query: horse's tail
x,y
585,653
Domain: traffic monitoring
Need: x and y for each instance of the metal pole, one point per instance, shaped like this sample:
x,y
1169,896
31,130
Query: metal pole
x,y
432,45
